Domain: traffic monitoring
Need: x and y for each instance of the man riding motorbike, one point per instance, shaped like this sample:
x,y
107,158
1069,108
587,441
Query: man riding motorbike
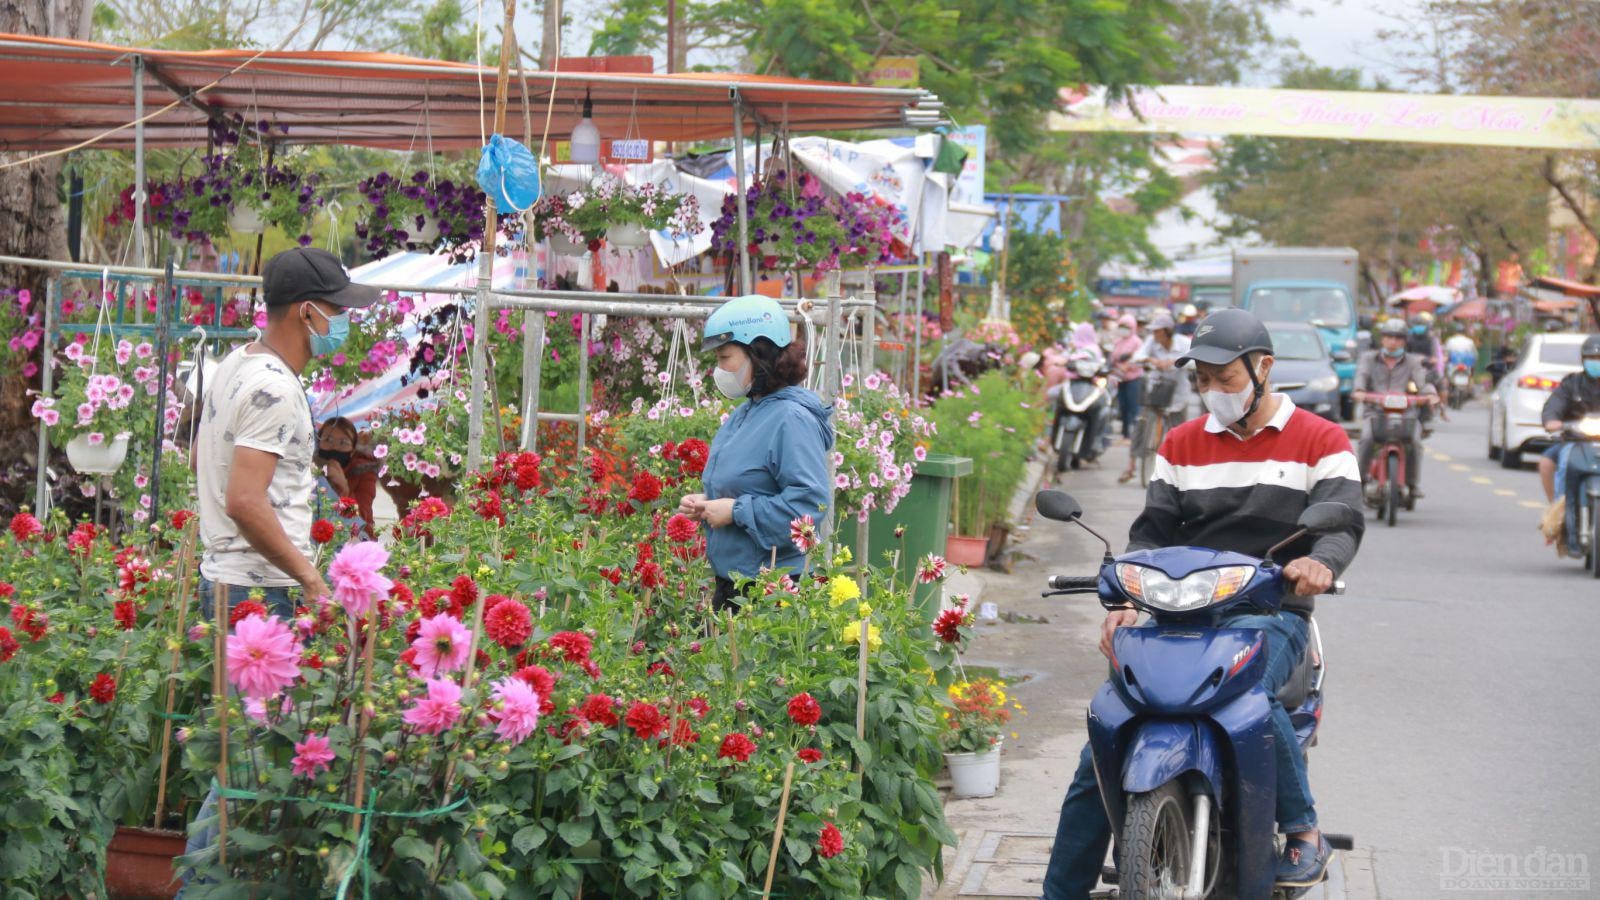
x,y
1577,395
1235,480
1391,370
1423,341
1160,352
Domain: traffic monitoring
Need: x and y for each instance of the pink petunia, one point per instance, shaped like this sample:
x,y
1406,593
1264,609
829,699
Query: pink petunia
x,y
312,755
517,714
442,645
357,581
439,710
263,656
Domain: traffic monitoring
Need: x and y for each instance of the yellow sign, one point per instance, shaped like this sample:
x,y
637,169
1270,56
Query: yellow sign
x,y
1545,122
895,71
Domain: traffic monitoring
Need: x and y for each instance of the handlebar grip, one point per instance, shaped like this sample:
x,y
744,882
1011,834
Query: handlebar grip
x,y
1073,582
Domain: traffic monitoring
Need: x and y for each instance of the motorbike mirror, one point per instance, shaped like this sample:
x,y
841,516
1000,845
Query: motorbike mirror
x,y
1057,505
1328,517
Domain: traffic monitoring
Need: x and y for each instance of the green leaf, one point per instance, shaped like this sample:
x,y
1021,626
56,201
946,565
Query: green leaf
x,y
647,785
529,838
576,833
799,848
411,847
732,871
909,880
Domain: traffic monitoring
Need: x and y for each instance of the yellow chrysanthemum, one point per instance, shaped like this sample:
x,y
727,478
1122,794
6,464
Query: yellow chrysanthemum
x,y
852,635
863,609
843,588
843,557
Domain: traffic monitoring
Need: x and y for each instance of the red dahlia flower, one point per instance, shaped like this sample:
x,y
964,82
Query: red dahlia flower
x,y
804,709
508,623
948,625
125,614
24,527
81,540
322,531
543,683
830,843
646,488
809,755
244,610
8,644
574,646
681,529
737,747
599,709
646,720
693,454
103,689
181,518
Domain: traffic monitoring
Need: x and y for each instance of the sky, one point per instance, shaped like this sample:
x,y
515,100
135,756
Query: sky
x,y
1338,33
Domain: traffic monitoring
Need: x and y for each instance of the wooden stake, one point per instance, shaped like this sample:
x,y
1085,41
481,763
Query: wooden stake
x,y
861,689
777,836
733,646
185,564
219,696
365,721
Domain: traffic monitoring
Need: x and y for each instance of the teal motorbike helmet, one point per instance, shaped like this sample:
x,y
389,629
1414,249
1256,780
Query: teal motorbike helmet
x,y
743,319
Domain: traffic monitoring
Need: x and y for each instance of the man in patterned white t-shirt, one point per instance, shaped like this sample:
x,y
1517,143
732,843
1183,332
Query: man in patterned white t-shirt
x,y
253,457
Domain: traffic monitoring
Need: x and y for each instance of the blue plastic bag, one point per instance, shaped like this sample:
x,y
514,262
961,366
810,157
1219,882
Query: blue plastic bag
x,y
509,174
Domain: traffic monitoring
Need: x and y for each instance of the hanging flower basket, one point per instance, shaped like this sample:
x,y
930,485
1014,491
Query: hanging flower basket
x,y
246,219
565,246
628,236
103,458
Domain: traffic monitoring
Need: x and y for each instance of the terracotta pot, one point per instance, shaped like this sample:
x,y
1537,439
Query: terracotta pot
x,y
139,863
966,551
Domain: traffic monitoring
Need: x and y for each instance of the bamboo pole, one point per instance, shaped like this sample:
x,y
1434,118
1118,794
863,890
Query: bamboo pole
x,y
861,685
777,835
185,564
365,722
219,696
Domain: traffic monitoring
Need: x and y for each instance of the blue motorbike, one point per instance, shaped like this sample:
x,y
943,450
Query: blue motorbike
x,y
1582,471
1181,732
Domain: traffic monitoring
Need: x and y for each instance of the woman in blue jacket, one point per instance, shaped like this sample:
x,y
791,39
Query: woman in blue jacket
x,y
769,461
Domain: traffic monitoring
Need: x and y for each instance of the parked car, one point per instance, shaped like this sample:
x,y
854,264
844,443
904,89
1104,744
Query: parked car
x,y
1514,407
1303,368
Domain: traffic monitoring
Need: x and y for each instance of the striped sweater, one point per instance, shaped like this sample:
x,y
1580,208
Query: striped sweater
x,y
1213,489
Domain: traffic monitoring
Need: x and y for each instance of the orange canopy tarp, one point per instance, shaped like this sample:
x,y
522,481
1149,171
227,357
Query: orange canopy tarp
x,y
56,93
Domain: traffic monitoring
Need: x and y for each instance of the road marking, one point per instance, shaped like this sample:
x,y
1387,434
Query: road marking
x,y
1443,456
1505,493
1458,467
1532,505
1479,479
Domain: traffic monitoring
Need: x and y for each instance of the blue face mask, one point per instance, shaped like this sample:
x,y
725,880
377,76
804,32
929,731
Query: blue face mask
x,y
1395,352
1591,367
338,332
1419,329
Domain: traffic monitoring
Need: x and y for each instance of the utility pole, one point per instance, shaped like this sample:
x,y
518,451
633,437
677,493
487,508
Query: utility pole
x,y
550,43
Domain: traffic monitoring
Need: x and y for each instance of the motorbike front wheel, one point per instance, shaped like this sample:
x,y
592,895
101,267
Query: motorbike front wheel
x,y
1155,844
1394,488
1594,539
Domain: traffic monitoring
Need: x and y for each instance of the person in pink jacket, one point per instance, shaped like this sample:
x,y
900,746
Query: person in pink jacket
x,y
1129,374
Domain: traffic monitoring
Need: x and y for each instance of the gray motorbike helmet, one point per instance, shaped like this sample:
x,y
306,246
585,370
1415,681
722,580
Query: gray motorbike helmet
x,y
1591,347
1226,335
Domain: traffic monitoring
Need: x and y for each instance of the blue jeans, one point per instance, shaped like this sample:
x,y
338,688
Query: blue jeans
x,y
205,829
1128,404
1084,831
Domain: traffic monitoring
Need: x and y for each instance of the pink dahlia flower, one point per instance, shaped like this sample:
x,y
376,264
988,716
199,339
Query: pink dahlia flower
x,y
263,656
357,579
439,711
518,710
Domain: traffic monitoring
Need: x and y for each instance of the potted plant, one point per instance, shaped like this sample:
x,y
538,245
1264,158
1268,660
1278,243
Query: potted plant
x,y
973,736
90,416
619,213
992,421
793,225
421,211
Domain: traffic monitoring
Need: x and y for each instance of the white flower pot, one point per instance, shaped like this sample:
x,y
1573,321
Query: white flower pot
x,y
427,235
565,247
103,458
627,237
246,219
974,774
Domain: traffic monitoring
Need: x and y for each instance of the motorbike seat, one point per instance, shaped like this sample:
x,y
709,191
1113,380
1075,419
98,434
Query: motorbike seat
x,y
1298,687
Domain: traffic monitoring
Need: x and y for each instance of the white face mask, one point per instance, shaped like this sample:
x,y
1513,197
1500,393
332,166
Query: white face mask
x,y
733,385
1230,407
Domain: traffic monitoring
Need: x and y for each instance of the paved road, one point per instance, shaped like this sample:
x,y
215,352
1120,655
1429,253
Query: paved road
x,y
1464,684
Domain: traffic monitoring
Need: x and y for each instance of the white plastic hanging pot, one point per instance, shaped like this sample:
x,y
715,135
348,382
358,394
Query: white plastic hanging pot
x,y
564,246
627,236
246,219
425,236
103,458
974,774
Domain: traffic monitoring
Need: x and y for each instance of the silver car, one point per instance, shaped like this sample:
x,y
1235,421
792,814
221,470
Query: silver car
x,y
1515,427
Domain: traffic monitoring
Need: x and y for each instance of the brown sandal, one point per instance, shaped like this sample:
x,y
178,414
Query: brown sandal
x,y
1124,478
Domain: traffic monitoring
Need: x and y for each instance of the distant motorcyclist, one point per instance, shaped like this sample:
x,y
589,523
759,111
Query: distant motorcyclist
x,y
1391,370
1577,395
1423,341
1505,359
1188,319
1161,352
1461,349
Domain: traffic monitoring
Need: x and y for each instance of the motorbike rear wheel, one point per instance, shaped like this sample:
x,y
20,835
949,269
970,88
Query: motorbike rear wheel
x,y
1393,505
1154,851
1594,540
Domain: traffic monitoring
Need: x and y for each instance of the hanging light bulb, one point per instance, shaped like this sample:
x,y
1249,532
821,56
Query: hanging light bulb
x,y
586,135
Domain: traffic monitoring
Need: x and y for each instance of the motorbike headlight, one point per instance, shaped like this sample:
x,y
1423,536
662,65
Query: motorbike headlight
x,y
1589,426
1325,383
1153,587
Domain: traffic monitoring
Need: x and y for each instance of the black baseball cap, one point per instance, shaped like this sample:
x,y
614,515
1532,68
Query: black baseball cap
x,y
306,273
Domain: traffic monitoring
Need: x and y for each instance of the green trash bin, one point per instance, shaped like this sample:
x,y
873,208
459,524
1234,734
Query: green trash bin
x,y
925,513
